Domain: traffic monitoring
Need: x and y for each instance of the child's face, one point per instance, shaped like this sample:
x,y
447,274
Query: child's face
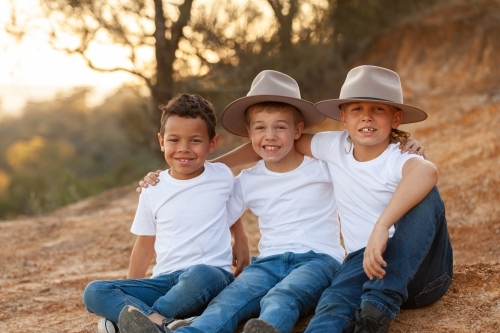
x,y
370,123
273,135
186,145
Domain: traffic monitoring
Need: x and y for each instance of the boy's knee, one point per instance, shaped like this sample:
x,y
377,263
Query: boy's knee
x,y
90,293
93,292
431,204
201,274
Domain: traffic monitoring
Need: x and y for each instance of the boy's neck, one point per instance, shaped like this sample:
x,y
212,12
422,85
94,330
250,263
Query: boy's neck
x,y
363,153
288,163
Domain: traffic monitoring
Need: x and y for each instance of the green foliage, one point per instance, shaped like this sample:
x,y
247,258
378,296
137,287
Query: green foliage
x,y
60,151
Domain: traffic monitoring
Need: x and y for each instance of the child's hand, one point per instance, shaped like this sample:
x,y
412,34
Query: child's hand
x,y
241,256
413,147
151,178
373,261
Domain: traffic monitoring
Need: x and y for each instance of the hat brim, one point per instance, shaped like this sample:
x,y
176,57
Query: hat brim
x,y
233,116
331,109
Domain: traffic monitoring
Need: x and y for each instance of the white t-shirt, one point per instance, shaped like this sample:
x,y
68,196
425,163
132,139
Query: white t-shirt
x,y
189,219
296,209
362,189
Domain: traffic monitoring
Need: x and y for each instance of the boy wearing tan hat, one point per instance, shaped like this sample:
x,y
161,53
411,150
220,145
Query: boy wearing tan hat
x,y
393,218
292,195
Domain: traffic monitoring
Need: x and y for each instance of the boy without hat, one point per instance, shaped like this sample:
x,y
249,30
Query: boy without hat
x,y
292,195
184,220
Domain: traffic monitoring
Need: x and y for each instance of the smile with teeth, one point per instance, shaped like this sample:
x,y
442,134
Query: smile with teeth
x,y
271,148
367,129
183,160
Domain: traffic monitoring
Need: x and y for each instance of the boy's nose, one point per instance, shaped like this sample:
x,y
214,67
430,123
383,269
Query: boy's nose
x,y
270,134
367,115
183,147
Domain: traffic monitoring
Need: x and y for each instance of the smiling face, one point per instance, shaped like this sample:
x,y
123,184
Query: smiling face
x,y
273,134
369,125
186,145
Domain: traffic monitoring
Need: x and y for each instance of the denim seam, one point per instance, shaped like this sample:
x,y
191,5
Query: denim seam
x,y
423,254
239,309
206,293
320,290
139,306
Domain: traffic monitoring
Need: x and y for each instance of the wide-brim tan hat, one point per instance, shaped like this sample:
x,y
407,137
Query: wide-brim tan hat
x,y
269,86
371,84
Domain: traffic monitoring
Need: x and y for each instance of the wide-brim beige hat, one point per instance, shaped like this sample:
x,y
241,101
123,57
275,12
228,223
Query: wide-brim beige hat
x,y
371,84
269,86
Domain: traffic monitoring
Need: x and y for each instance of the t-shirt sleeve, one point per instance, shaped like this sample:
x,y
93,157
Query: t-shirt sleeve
x,y
236,204
322,143
144,221
399,160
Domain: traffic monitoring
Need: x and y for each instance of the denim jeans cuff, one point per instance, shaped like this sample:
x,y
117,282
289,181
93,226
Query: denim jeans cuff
x,y
385,310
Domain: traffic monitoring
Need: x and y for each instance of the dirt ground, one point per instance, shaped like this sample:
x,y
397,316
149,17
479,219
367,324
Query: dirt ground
x,y
47,262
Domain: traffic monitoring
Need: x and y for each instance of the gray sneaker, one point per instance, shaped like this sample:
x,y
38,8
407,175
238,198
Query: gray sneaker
x,y
132,320
107,326
181,323
255,325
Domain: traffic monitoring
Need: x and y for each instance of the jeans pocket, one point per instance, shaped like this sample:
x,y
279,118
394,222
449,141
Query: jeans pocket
x,y
433,291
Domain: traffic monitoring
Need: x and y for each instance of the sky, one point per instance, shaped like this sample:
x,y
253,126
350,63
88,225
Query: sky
x,y
32,71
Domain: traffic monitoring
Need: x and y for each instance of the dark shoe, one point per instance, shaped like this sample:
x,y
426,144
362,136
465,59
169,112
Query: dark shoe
x,y
371,320
259,326
132,320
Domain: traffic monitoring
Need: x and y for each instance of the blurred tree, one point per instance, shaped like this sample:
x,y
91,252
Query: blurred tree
x,y
137,27
60,151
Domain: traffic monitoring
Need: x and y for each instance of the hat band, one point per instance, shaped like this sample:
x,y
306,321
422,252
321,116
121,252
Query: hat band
x,y
375,98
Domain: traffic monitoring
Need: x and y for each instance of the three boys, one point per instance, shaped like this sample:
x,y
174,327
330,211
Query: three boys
x,y
275,297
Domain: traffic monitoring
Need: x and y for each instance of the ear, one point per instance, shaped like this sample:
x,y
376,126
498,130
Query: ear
x,y
398,117
342,118
298,130
213,143
162,145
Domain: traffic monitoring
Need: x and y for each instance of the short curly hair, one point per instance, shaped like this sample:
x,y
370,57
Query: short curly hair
x,y
189,106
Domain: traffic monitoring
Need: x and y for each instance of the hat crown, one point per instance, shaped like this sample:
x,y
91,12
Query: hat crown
x,y
274,83
372,82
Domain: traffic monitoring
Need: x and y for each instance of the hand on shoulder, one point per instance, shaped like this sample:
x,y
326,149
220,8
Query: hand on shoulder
x,y
150,179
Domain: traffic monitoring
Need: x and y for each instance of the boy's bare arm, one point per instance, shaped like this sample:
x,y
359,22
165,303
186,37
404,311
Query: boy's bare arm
x,y
303,144
243,155
419,177
142,254
241,253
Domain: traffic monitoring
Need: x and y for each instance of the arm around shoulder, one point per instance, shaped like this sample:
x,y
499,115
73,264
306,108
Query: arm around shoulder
x,y
243,155
303,144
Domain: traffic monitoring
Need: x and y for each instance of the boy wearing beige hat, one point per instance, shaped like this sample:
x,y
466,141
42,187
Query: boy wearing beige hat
x,y
393,218
292,195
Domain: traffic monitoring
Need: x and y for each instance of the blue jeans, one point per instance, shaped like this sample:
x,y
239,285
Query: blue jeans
x,y
277,289
419,271
177,295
